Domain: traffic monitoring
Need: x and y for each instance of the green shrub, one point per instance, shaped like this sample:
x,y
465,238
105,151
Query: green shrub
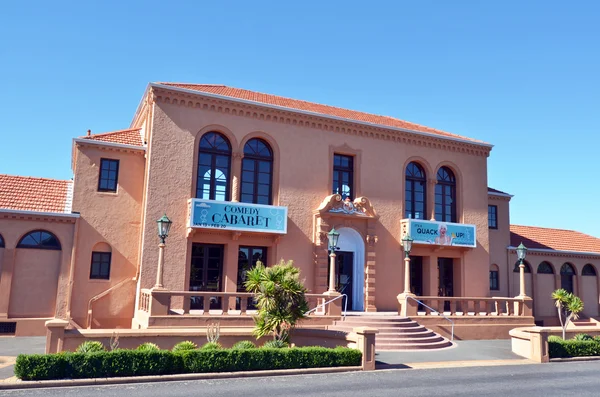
x,y
185,345
139,363
244,344
573,348
91,346
582,337
148,347
275,344
597,338
211,346
554,338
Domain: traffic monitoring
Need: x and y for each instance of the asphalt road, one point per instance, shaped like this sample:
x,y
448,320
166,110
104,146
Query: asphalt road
x,y
556,379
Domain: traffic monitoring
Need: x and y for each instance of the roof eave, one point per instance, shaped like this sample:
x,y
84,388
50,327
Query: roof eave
x,y
224,97
510,247
500,194
39,213
109,144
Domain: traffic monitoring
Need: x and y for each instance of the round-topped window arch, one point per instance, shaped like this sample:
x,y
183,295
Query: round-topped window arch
x,y
257,172
40,239
214,167
445,195
415,191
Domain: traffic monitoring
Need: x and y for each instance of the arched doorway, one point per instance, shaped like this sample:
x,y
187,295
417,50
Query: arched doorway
x,y
351,267
567,271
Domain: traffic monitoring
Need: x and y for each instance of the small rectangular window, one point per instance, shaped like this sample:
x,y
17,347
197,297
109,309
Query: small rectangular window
x,y
494,280
343,176
100,269
492,217
109,175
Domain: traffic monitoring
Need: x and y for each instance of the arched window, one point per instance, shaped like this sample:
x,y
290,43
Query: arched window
x,y
445,196
527,267
214,163
1,242
588,270
415,193
39,239
545,268
257,172
567,271
494,278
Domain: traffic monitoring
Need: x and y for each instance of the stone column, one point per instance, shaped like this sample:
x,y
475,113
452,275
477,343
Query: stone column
x,y
522,280
6,280
55,335
366,344
159,269
236,171
431,198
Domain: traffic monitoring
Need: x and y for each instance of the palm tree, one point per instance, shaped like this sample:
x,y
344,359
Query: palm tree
x,y
279,297
569,306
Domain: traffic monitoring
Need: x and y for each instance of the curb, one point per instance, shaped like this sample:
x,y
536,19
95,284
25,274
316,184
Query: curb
x,y
574,359
177,377
454,364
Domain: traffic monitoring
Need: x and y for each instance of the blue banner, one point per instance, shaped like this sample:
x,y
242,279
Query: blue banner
x,y
238,216
442,233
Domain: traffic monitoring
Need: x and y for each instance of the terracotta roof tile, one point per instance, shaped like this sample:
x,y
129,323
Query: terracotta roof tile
x,y
554,239
326,110
35,194
126,137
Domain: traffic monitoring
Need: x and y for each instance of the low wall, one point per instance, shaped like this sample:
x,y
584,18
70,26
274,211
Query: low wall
x,y
28,326
144,321
532,342
58,338
475,327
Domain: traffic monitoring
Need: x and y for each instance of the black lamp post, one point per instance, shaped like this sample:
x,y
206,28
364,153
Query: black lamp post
x,y
407,246
164,225
332,237
521,253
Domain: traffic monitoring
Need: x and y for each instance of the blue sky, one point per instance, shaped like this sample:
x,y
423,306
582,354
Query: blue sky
x,y
523,76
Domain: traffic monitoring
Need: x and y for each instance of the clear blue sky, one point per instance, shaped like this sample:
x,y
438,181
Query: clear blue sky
x,y
524,76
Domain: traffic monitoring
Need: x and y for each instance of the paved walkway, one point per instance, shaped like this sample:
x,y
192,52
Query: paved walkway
x,y
464,351
11,347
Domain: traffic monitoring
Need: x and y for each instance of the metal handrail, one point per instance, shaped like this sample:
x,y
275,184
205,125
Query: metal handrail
x,y
328,302
433,310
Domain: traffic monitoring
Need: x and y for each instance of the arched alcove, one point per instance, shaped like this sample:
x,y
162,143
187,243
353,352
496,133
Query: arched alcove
x,y
351,241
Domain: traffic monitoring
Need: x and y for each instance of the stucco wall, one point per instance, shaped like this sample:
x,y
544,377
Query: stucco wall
x,y
301,182
107,220
34,282
499,241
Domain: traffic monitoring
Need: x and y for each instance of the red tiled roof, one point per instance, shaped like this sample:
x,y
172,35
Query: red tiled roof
x,y
326,110
554,239
126,137
34,194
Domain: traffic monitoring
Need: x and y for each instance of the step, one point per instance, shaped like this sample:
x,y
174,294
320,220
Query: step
x,y
426,339
387,331
411,346
367,319
379,324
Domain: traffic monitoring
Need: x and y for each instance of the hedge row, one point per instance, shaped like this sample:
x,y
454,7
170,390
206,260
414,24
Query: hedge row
x,y
139,363
559,348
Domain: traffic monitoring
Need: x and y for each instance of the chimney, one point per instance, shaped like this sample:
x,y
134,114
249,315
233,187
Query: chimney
x,y
89,132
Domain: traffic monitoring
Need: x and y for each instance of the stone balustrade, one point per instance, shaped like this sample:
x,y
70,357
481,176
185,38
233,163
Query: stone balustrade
x,y
158,302
464,306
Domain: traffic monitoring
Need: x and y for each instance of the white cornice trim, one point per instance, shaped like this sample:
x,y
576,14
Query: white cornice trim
x,y
325,116
38,213
500,194
109,144
545,250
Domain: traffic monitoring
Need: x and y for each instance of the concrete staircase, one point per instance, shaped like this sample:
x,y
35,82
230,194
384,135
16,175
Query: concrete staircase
x,y
395,332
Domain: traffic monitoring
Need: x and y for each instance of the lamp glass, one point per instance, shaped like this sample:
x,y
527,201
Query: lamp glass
x,y
333,237
164,225
521,252
407,243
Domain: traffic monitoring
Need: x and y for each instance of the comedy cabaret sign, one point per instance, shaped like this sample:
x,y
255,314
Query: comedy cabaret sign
x,y
227,215
442,233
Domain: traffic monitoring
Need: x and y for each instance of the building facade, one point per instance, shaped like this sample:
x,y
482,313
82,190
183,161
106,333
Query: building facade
x,y
249,177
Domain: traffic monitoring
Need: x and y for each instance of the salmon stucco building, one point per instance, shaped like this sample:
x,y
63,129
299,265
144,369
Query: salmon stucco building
x,y
247,177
